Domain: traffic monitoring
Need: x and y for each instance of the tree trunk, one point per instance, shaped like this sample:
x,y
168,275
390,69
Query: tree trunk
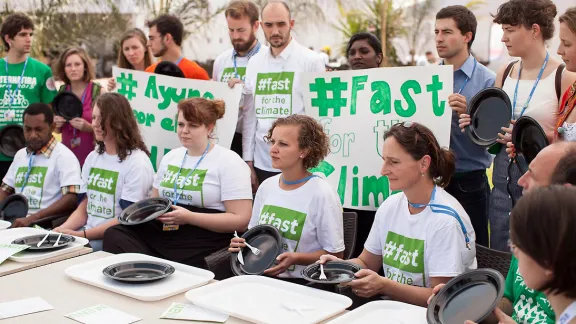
x,y
384,31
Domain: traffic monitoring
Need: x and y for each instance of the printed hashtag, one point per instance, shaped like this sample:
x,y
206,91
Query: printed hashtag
x,y
389,249
19,177
128,85
322,102
262,84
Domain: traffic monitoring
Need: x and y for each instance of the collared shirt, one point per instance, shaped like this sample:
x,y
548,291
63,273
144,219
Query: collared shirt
x,y
46,150
469,156
250,53
273,90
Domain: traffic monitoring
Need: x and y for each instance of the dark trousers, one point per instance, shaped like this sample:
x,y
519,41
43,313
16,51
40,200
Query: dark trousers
x,y
263,175
472,190
237,144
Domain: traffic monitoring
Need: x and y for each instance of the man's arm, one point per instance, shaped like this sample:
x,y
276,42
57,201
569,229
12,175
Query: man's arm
x,y
64,205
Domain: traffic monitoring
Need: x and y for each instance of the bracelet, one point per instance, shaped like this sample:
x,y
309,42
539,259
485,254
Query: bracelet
x,y
85,234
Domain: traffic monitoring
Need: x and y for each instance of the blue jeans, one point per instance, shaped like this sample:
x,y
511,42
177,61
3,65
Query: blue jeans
x,y
96,245
472,190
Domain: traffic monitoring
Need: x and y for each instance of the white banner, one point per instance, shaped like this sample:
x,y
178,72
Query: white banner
x,y
154,99
357,107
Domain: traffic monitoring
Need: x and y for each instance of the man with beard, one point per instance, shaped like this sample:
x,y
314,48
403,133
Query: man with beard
x,y
23,80
230,66
455,31
165,41
273,88
46,171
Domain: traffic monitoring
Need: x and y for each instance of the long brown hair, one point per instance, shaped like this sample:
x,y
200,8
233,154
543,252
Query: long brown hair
x,y
117,116
89,73
139,34
418,140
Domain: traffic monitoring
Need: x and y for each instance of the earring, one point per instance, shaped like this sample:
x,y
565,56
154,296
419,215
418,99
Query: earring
x,y
301,156
422,174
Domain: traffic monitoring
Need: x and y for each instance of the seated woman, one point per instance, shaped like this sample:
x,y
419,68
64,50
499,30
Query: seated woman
x,y
308,202
210,189
421,236
115,175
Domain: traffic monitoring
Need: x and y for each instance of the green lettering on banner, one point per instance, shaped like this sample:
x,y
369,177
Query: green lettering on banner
x,y
170,124
377,186
144,118
405,90
357,85
434,87
151,91
322,102
288,222
381,100
170,94
154,156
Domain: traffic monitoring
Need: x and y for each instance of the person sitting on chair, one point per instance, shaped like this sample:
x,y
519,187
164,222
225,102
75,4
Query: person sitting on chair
x,y
46,172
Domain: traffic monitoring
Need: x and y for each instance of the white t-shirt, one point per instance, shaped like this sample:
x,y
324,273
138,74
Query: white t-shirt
x,y
309,218
106,181
221,176
223,71
47,176
415,248
273,90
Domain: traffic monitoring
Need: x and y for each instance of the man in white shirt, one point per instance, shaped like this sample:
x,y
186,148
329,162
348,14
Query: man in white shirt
x,y
46,171
273,88
242,17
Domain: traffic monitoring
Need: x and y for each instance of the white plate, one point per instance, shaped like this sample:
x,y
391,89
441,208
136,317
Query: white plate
x,y
384,312
184,278
9,235
261,299
4,224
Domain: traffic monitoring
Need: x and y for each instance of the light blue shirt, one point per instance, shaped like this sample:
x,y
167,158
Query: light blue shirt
x,y
469,156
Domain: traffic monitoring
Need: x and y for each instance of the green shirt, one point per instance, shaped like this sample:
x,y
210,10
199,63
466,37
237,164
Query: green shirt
x,y
530,306
37,86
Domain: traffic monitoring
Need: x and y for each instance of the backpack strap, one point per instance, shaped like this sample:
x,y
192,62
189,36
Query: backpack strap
x,y
559,80
507,71
96,90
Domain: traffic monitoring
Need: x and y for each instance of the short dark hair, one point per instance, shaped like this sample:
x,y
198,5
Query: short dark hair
x,y
565,171
40,108
13,24
243,8
464,18
418,140
542,226
282,2
527,13
169,24
372,40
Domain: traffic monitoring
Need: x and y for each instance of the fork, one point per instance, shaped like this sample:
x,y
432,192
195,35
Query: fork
x,y
44,239
57,240
322,275
253,249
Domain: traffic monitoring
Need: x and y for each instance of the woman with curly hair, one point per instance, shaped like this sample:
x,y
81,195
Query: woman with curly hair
x,y
115,175
422,236
209,186
304,207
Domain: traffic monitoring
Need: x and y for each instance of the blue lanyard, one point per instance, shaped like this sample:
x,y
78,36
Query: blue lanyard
x,y
176,193
298,181
30,161
179,59
12,94
253,52
533,87
467,78
442,209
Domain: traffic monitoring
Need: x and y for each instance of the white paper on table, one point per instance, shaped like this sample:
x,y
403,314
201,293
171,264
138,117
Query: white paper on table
x,y
23,307
180,311
8,250
102,314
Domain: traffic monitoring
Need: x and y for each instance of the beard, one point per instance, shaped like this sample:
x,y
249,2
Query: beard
x,y
244,46
277,42
161,52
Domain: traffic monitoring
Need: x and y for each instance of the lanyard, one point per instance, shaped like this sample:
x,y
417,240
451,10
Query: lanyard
x,y
176,193
253,52
533,87
179,59
442,209
568,314
12,94
30,161
467,77
298,181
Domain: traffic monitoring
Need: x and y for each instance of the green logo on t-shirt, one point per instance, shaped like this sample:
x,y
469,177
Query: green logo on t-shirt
x,y
102,192
229,73
34,185
189,186
273,95
403,259
289,223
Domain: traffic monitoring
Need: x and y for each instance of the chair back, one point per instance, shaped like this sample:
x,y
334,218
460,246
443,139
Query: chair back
x,y
497,260
350,227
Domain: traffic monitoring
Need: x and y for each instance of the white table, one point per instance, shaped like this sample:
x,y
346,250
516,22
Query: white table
x,y
67,295
9,267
